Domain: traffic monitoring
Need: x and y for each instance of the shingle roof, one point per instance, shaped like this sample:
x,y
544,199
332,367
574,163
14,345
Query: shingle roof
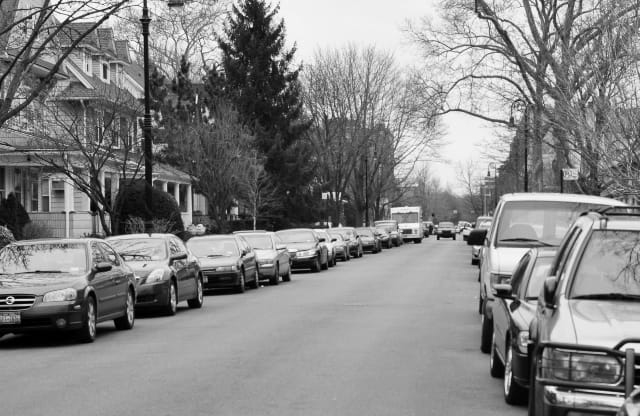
x,y
107,44
122,50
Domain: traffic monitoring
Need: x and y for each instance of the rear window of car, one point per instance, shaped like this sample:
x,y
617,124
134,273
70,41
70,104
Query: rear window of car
x,y
610,264
298,236
140,249
44,257
259,241
446,224
214,247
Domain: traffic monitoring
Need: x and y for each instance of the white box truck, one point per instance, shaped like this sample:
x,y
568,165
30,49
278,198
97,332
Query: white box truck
x,y
410,222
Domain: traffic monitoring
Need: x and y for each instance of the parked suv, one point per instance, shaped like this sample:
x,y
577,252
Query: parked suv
x,y
522,221
586,325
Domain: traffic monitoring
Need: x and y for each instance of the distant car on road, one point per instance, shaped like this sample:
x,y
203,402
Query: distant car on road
x,y
64,285
391,226
227,261
272,256
325,240
305,249
167,272
340,245
446,229
370,241
482,223
353,240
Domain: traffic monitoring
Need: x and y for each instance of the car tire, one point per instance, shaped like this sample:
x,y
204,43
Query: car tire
x,y
171,307
454,237
287,276
514,393
256,280
487,332
316,267
474,262
127,320
198,301
275,280
88,331
242,286
496,369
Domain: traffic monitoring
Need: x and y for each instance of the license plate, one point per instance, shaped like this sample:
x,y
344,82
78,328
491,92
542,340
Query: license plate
x,y
205,279
9,318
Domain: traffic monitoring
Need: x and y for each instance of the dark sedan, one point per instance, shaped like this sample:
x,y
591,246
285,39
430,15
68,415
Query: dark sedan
x,y
167,272
305,249
512,314
446,230
369,239
227,261
64,285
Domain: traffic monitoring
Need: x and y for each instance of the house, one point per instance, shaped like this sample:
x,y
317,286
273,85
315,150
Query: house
x,y
83,139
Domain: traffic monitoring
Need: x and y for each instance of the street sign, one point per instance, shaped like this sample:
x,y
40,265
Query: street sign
x,y
570,174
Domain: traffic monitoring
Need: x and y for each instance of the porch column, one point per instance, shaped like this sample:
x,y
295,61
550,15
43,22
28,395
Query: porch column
x,y
176,192
164,185
68,205
189,200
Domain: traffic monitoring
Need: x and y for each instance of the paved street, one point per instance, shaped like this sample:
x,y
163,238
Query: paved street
x,y
394,333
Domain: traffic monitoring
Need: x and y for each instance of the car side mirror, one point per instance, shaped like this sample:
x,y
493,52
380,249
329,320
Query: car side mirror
x,y
176,257
102,266
549,291
281,247
333,240
476,237
244,252
503,290
322,239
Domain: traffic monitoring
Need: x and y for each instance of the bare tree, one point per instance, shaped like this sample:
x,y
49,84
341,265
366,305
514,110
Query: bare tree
x,y
189,31
217,153
83,143
363,114
257,191
470,177
35,39
548,54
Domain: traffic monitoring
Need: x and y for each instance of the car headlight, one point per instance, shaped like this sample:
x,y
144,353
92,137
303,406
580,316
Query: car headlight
x,y
155,276
63,295
499,278
226,268
306,253
579,366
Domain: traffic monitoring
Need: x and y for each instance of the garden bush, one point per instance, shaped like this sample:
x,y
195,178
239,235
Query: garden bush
x,y
130,202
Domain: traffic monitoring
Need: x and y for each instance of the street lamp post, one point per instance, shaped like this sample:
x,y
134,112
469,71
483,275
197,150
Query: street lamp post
x,y
525,114
146,124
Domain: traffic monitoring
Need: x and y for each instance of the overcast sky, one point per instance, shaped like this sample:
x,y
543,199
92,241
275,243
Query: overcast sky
x,y
314,24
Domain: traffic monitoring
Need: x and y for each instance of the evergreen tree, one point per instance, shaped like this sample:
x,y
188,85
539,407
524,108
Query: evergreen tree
x,y
260,81
263,85
182,87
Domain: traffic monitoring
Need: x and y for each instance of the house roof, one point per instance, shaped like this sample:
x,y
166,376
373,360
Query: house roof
x,y
122,51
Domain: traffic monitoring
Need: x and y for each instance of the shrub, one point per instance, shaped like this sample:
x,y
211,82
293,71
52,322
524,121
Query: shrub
x,y
131,204
33,230
6,236
13,215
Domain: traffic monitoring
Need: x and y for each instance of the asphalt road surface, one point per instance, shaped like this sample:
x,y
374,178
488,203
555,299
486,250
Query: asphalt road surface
x,y
395,333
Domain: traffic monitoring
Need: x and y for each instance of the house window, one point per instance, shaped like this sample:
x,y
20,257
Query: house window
x,y
45,195
34,195
171,189
124,132
105,71
86,60
183,197
18,188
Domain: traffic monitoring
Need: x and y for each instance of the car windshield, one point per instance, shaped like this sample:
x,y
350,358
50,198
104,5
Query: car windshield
x,y
537,223
43,258
336,235
213,247
365,232
484,225
405,217
346,234
297,236
142,249
259,241
538,275
322,234
610,265
445,224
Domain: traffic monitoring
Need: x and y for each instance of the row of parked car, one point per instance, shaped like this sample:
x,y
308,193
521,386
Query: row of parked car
x,y
559,297
74,284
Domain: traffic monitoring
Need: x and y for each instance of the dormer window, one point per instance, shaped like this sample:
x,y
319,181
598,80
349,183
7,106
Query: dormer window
x,y
86,62
105,71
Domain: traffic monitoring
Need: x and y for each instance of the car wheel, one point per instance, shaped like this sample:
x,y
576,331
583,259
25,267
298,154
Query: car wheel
x,y
496,369
242,285
172,303
88,331
276,277
438,237
197,302
487,332
287,276
256,280
513,392
454,237
474,262
126,321
316,267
